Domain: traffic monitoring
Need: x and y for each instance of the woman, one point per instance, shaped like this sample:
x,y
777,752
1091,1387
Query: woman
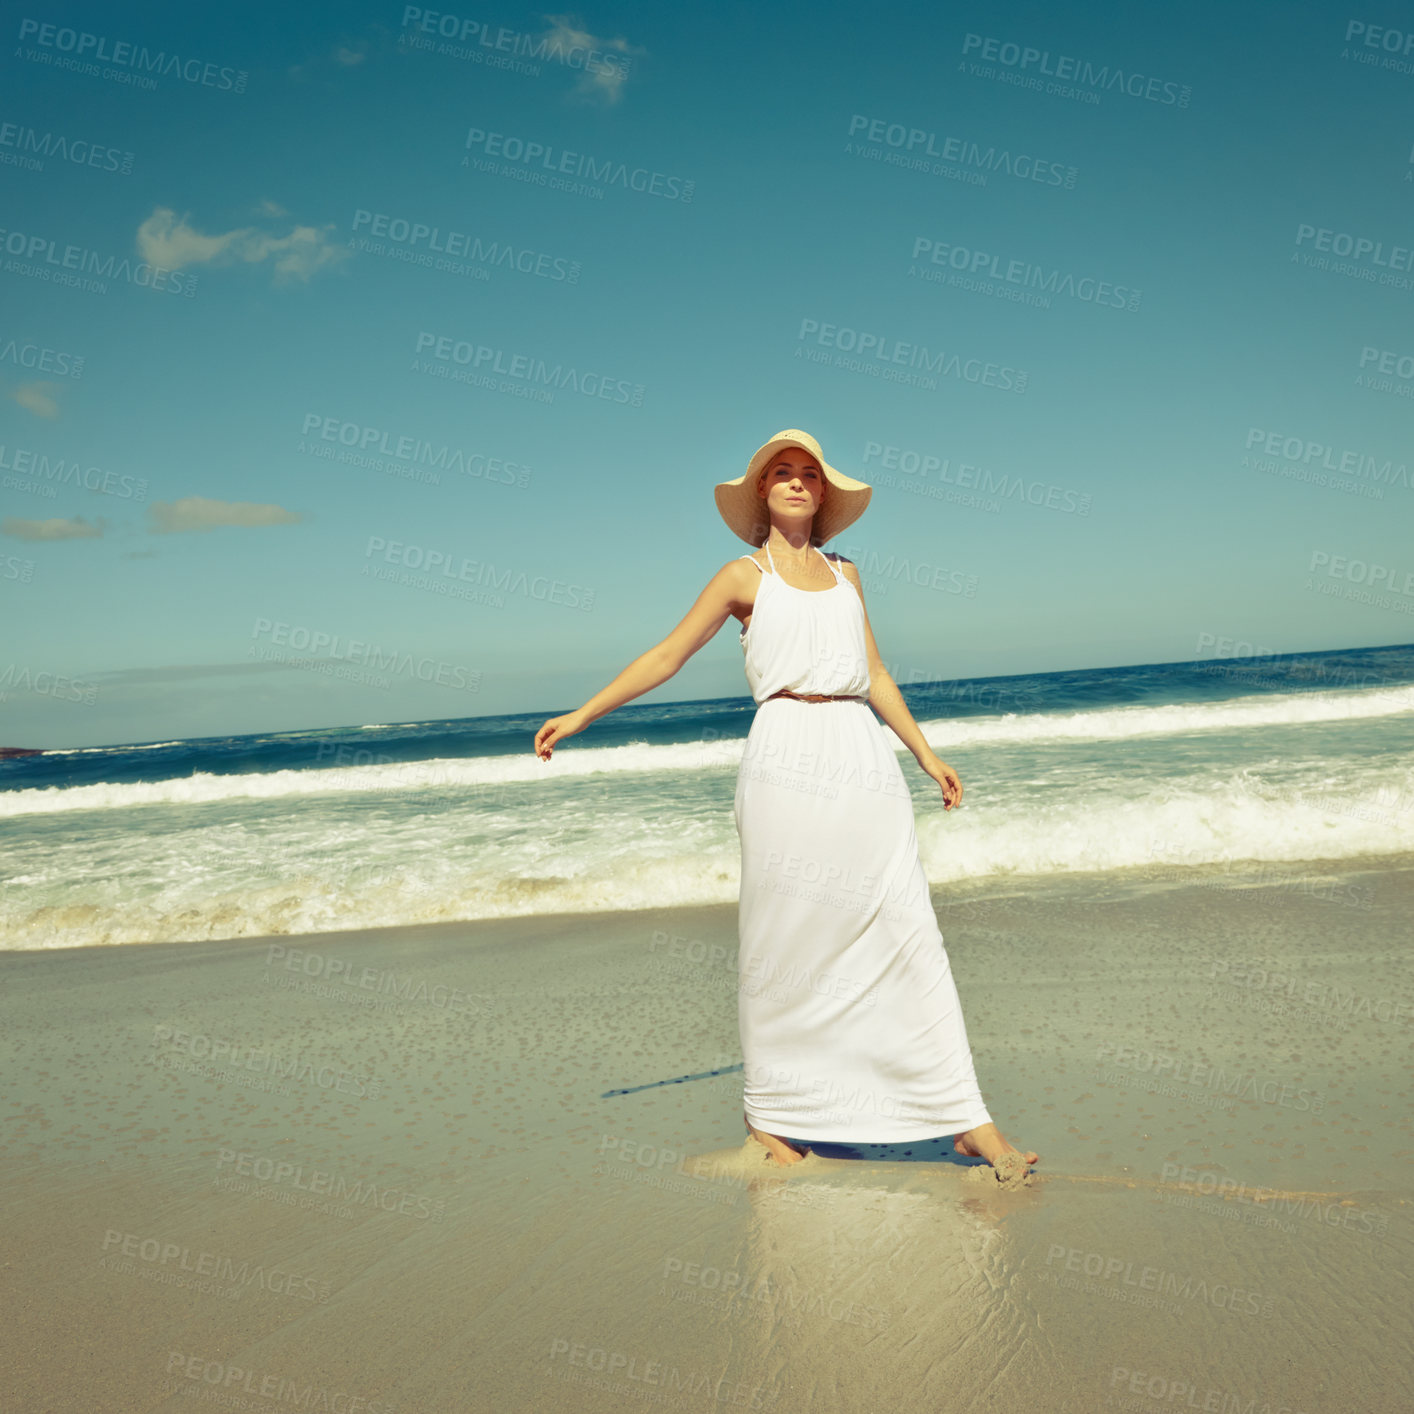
x,y
851,1028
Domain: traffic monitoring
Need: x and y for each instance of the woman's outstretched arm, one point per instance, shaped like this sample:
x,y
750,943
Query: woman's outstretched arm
x,y
719,599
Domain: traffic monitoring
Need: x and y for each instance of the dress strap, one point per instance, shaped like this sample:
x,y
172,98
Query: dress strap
x,y
834,568
833,565
755,562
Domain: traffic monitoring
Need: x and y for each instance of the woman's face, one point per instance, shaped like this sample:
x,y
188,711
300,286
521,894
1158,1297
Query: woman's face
x,y
793,486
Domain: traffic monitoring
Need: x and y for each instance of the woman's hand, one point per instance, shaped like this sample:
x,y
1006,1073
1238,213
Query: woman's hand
x,y
947,778
555,730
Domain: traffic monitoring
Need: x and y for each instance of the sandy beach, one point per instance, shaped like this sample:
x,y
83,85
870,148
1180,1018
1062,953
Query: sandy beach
x,y
379,1170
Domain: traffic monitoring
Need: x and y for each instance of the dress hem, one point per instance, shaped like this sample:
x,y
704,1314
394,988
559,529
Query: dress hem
x,y
913,1136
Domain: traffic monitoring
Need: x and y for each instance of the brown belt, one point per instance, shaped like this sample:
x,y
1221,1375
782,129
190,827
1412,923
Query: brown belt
x,y
816,696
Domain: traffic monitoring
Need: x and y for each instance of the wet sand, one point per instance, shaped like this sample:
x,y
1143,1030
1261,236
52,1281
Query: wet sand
x,y
247,1174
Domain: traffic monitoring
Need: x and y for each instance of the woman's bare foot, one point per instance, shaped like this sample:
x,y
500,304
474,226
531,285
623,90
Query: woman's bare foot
x,y
781,1152
988,1142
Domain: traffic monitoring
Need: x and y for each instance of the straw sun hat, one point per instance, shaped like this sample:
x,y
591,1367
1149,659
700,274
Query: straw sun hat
x,y
744,510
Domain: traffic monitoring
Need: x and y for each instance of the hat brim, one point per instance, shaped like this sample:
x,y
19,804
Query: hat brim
x,y
745,511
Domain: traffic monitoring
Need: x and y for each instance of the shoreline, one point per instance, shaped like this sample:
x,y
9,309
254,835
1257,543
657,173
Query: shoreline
x,y
313,1162
1133,880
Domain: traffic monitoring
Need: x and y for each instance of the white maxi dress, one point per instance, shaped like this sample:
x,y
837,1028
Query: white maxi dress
x,y
851,1027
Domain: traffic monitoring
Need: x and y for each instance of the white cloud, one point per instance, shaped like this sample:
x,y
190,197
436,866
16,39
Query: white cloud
x,y
168,240
38,398
199,513
345,53
76,528
606,82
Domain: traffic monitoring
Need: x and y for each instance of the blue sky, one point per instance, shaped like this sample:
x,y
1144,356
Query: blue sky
x,y
1144,493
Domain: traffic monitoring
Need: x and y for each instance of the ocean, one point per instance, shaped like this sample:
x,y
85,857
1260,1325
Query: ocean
x,y
1153,769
